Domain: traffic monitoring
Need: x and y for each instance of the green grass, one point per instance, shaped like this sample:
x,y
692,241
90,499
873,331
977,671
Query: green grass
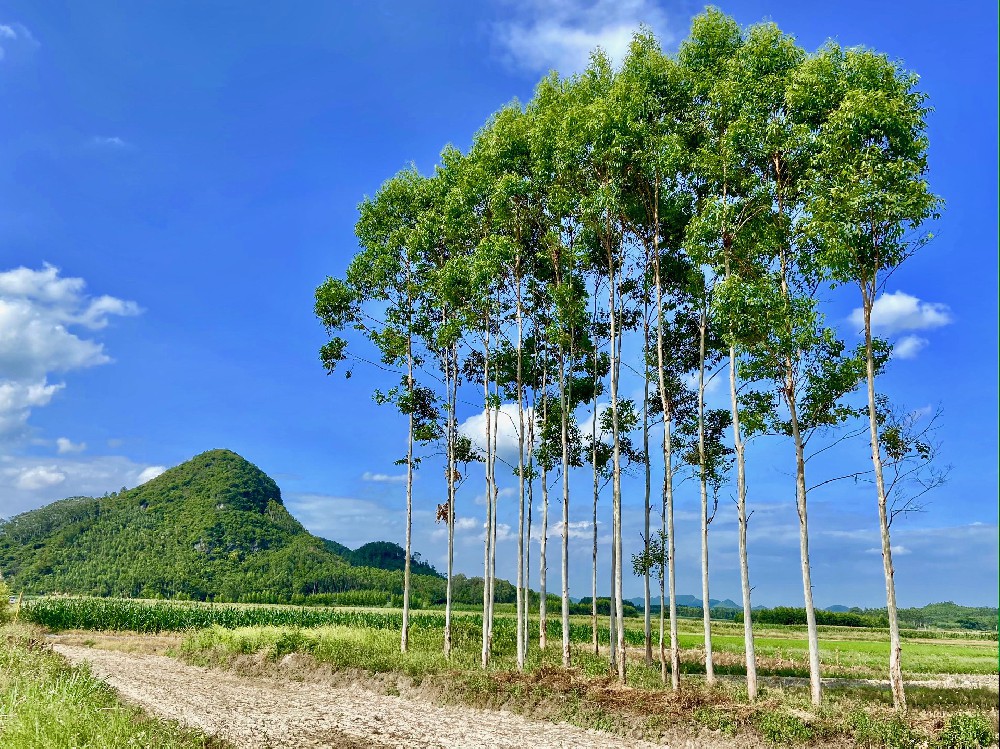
x,y
586,695
783,651
47,704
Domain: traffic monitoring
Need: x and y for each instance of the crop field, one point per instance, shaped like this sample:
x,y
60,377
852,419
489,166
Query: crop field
x,y
952,689
845,652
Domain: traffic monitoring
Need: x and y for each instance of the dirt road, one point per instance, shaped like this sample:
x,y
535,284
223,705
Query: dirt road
x,y
250,712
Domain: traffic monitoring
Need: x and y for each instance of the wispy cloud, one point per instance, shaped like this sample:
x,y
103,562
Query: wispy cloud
x,y
899,312
909,346
64,445
110,142
15,38
28,482
150,473
542,35
383,477
897,550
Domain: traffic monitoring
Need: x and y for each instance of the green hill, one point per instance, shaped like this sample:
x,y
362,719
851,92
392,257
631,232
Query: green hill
x,y
384,555
211,528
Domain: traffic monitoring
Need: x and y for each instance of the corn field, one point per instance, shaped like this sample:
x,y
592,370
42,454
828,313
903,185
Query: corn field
x,y
127,615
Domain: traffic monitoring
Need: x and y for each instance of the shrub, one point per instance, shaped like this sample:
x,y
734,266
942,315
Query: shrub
x,y
875,733
782,729
716,720
5,610
966,731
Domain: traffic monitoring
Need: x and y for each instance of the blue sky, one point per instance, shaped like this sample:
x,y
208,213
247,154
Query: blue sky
x,y
177,178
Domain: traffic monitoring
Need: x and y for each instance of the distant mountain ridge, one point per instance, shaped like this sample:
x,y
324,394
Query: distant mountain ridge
x,y
383,555
214,527
687,600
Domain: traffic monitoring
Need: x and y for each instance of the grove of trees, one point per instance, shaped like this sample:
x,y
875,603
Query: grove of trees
x,y
681,216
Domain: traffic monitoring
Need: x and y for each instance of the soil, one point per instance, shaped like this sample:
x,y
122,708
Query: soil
x,y
252,703
261,712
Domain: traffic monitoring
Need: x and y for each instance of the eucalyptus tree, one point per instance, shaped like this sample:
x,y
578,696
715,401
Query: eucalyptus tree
x,y
389,273
746,168
446,235
598,450
868,198
560,147
471,280
678,354
600,131
504,149
702,442
656,103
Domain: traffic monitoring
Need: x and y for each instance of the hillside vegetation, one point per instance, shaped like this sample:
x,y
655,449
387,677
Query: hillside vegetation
x,y
213,528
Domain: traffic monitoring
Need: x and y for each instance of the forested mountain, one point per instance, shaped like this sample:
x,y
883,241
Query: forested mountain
x,y
211,528
384,555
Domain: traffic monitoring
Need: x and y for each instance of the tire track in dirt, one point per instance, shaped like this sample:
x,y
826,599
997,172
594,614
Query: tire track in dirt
x,y
250,712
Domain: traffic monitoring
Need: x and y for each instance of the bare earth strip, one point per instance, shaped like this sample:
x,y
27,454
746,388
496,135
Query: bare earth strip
x,y
267,713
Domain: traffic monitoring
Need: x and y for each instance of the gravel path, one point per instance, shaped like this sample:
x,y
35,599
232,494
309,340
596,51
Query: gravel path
x,y
267,713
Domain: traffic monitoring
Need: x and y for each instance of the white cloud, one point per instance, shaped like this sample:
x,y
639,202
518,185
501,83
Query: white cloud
x,y
578,529
149,473
27,482
382,477
542,35
112,141
65,445
18,398
713,381
909,346
896,550
351,521
38,311
16,38
506,421
587,423
898,312
39,477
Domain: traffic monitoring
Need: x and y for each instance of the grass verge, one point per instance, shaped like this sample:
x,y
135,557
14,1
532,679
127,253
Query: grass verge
x,y
587,695
47,704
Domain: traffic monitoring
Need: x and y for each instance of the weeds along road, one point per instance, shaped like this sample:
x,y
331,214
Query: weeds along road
x,y
252,712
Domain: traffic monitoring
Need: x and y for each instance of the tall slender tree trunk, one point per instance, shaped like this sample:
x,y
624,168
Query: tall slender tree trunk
x,y
815,684
451,385
613,612
739,448
531,503
593,457
648,475
741,509
791,400
564,436
404,640
667,516
543,635
616,475
663,598
488,536
675,649
706,600
593,522
520,485
895,644
496,502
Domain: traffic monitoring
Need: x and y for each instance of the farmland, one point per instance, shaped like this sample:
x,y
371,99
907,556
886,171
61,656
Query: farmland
x,y
301,643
